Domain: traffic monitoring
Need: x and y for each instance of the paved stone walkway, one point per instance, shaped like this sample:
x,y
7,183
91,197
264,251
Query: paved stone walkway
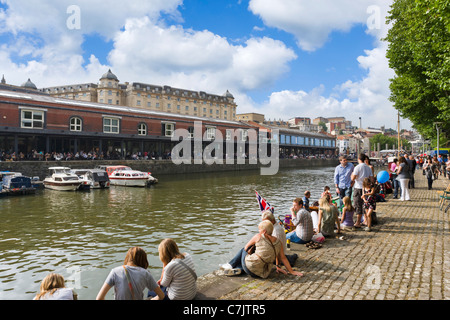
x,y
405,257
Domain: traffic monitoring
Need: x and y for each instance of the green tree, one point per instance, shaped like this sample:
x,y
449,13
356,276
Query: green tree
x,y
390,141
419,53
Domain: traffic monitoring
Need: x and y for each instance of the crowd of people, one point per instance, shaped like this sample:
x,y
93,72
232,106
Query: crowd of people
x,y
94,154
267,249
309,225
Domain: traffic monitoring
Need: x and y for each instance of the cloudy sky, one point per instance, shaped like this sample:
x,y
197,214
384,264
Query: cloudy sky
x,y
282,58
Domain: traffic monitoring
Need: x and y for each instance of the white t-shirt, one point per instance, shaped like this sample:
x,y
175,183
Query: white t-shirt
x,y
278,232
59,294
180,283
362,171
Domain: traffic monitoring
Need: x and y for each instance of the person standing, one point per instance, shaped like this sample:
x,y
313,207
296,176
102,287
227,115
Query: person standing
x,y
392,169
360,172
412,169
404,177
343,179
429,169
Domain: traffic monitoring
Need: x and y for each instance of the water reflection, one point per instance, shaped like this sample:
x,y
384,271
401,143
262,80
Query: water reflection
x,y
82,235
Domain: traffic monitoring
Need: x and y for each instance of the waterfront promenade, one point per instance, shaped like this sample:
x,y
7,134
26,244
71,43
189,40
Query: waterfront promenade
x,y
405,257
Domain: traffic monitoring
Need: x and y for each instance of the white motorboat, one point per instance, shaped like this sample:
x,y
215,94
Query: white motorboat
x,y
93,178
61,179
125,176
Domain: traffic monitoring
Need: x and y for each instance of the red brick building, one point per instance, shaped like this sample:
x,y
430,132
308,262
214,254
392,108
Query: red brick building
x,y
30,120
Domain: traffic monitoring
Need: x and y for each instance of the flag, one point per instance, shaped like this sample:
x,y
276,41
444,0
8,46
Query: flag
x,y
263,204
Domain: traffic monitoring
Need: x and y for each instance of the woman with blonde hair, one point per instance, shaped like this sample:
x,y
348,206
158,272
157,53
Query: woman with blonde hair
x,y
53,288
178,279
267,250
328,218
131,279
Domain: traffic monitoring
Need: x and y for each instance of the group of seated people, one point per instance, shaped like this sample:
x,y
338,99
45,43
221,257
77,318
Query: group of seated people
x,y
269,246
133,281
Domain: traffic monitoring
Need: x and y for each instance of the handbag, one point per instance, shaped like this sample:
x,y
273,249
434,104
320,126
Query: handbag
x,y
251,249
189,269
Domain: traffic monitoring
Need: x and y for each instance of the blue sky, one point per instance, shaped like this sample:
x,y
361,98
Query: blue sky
x,y
282,58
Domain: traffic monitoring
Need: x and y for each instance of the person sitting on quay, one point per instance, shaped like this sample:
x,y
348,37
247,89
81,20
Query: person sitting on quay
x,y
259,263
131,279
53,288
305,199
326,192
302,220
178,279
279,233
328,218
348,212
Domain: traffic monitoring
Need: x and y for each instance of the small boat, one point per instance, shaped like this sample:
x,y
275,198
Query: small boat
x,y
93,178
61,179
14,183
125,176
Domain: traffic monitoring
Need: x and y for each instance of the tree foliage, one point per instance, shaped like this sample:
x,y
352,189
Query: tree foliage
x,y
419,53
390,141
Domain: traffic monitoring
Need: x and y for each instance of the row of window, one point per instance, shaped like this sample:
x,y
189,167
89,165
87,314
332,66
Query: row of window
x,y
306,141
35,119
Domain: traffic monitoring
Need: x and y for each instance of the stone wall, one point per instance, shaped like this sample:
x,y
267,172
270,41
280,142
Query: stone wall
x,y
156,167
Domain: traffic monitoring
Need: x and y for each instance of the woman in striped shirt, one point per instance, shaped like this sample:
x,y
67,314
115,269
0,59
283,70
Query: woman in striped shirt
x,y
178,279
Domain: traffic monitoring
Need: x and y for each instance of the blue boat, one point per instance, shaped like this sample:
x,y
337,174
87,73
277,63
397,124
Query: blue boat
x,y
17,185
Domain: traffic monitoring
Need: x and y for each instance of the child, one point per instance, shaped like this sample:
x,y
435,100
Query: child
x,y
326,192
53,288
347,214
369,201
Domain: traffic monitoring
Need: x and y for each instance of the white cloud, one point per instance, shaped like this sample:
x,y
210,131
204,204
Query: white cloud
x,y
198,60
146,49
311,22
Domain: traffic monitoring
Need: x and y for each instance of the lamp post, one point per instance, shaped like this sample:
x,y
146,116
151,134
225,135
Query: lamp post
x,y
437,129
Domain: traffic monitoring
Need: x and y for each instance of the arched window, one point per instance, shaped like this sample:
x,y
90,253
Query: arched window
x,y
142,129
76,124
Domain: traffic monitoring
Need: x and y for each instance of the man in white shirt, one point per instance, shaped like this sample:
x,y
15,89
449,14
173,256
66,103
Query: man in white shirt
x,y
360,172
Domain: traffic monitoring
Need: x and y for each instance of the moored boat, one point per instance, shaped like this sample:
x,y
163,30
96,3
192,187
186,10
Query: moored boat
x,y
125,176
93,178
14,183
61,179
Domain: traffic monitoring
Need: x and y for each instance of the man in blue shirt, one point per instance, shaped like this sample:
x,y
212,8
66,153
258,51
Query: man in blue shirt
x,y
343,179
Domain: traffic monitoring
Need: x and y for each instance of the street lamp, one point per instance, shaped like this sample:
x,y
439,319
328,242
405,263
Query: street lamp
x,y
437,129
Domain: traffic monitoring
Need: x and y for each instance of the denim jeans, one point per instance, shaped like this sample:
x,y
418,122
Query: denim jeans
x,y
239,262
396,186
344,192
294,238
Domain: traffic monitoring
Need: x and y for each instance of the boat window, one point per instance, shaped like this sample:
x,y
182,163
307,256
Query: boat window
x,y
70,178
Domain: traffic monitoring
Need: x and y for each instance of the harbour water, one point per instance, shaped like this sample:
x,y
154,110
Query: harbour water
x,y
83,235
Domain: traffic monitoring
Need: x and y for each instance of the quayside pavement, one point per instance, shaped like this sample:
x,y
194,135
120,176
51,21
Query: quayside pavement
x,y
406,256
